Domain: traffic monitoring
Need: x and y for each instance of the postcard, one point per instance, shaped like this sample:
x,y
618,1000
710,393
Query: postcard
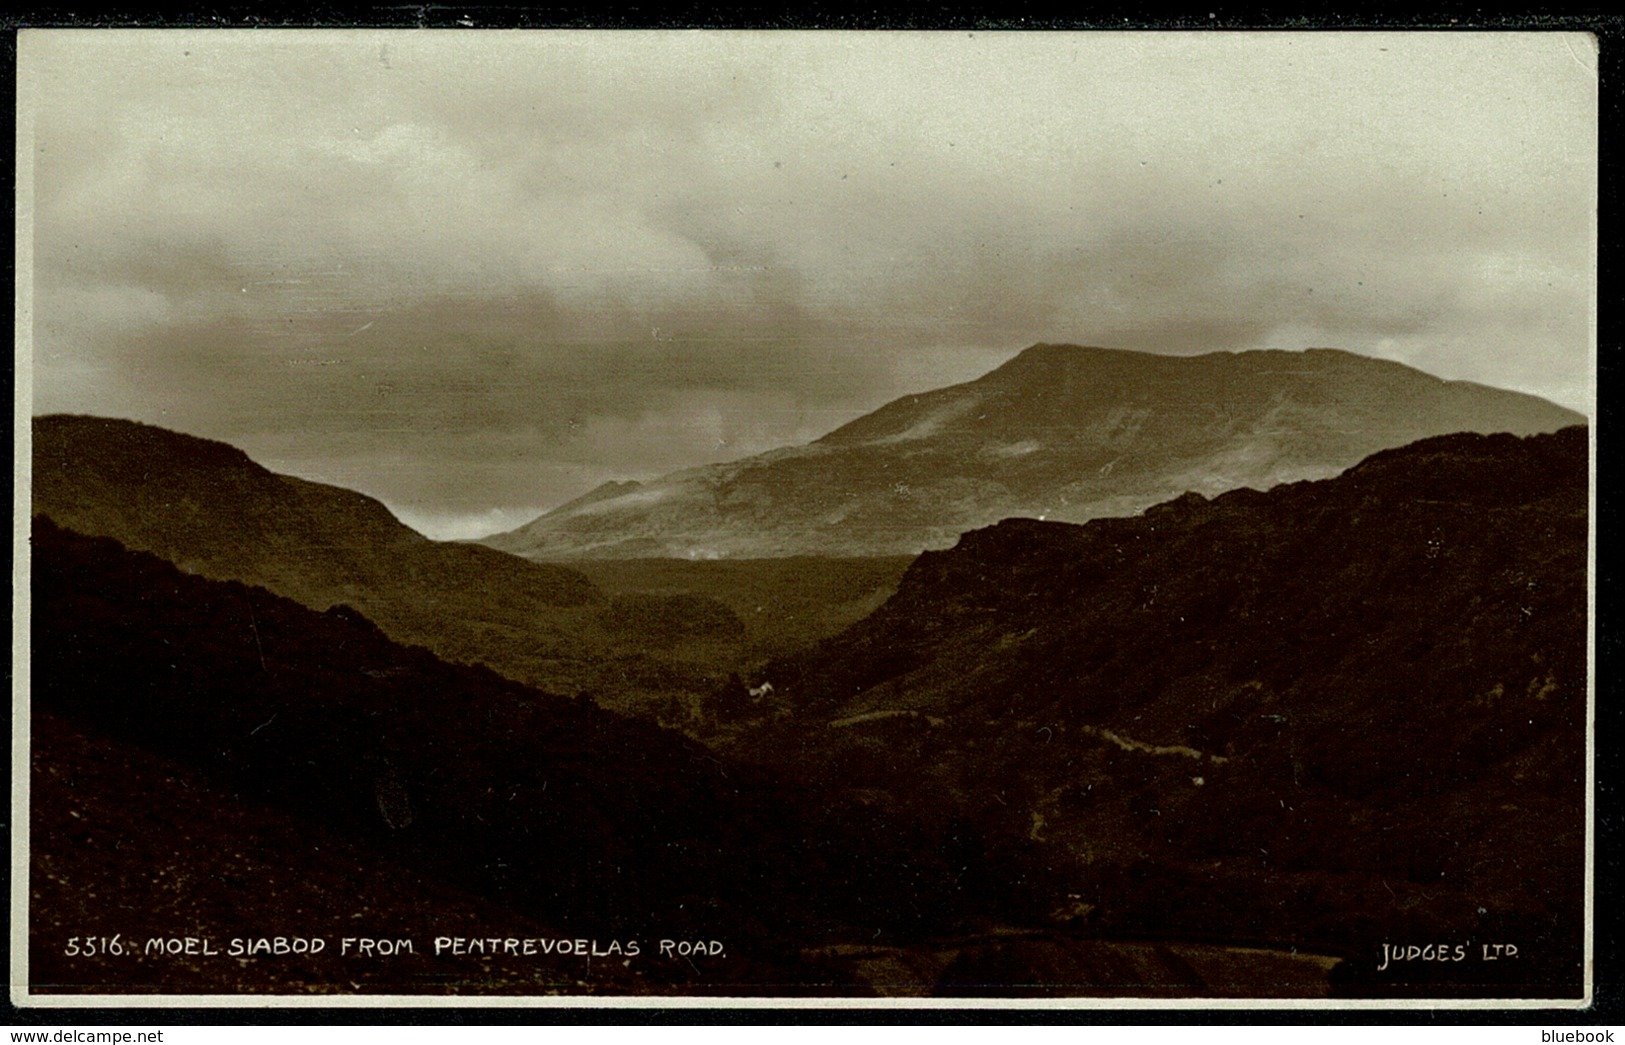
x,y
804,519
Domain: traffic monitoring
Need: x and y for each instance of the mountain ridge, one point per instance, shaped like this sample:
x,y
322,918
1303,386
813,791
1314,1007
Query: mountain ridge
x,y
1058,431
211,510
1347,705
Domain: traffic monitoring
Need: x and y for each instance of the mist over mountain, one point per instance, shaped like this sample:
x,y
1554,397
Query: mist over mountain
x,y
1059,432
1355,709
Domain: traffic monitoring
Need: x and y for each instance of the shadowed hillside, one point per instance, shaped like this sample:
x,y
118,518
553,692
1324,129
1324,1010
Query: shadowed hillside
x,y
164,865
554,808
1335,715
206,507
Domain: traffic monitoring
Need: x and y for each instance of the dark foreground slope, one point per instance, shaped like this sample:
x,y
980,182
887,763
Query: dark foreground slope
x,y
1337,715
208,508
1060,431
555,809
132,844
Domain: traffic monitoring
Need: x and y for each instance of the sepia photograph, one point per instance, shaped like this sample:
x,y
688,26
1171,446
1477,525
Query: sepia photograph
x,y
723,517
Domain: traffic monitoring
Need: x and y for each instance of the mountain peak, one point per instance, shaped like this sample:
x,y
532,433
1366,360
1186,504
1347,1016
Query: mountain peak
x,y
1046,355
1058,432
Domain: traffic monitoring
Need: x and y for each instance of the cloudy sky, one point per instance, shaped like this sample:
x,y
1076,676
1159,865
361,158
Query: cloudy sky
x,y
475,274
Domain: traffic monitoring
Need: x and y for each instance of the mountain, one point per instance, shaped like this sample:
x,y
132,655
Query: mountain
x,y
1058,432
1354,709
1232,744
208,508
205,506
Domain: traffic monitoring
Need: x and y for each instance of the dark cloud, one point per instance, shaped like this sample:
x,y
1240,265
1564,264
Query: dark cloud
x,y
475,274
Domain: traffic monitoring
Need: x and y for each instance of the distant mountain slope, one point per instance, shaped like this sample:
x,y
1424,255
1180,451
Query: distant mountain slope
x,y
601,492
784,603
1353,708
208,508
1061,432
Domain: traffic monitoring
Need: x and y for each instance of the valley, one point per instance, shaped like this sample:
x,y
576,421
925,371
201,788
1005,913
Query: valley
x,y
1229,745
